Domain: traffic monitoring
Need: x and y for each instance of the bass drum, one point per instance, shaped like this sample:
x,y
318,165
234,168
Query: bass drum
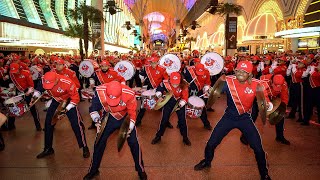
x,y
213,62
87,67
125,69
171,62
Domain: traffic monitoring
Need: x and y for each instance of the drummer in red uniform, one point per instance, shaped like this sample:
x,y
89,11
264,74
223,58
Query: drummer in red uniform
x,y
61,88
62,70
104,75
23,82
265,65
281,67
228,65
152,75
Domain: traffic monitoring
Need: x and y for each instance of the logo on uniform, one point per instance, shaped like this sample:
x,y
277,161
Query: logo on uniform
x,y
175,78
59,90
110,76
244,65
21,76
248,90
157,72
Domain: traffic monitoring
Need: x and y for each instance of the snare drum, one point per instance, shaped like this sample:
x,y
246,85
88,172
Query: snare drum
x,y
195,106
16,106
149,99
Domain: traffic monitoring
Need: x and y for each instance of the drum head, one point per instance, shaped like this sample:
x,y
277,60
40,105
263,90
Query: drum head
x,y
150,92
86,68
34,73
13,100
196,101
125,69
213,62
171,62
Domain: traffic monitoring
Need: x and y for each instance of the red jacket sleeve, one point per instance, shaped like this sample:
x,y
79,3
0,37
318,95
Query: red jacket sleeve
x,y
284,94
131,108
185,95
74,78
29,79
73,93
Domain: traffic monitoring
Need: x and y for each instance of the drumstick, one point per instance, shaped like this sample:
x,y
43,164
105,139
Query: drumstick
x,y
193,80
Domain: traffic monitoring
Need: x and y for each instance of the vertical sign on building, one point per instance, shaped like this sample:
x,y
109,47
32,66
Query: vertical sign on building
x,y
231,33
96,35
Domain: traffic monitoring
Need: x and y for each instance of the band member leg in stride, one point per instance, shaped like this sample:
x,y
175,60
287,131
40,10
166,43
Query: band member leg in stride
x,y
119,100
275,86
180,94
3,119
61,89
241,91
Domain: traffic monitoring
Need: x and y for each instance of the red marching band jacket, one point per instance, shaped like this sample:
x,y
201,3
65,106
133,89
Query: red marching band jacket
x,y
137,63
281,69
283,94
314,77
128,103
23,80
201,80
243,95
297,74
64,90
111,75
156,75
178,93
69,74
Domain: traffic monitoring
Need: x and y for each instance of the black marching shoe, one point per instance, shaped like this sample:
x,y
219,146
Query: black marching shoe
x,y
38,128
142,175
208,127
186,141
2,146
169,125
45,152
156,140
86,152
266,177
202,165
283,140
244,140
91,175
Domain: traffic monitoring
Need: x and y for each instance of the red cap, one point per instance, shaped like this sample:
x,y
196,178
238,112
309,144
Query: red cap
x,y
303,61
311,56
195,52
59,61
175,78
278,80
200,69
49,79
14,67
228,58
256,58
114,91
124,57
268,57
105,63
245,66
196,60
153,59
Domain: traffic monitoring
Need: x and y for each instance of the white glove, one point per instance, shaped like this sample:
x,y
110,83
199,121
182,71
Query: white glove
x,y
289,70
95,116
91,81
70,106
141,77
182,103
158,94
131,127
312,68
306,72
206,88
36,94
270,106
98,125
48,103
261,66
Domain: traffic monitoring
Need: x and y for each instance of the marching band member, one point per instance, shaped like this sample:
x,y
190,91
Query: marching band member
x,y
138,65
314,79
281,67
255,63
241,91
119,100
228,65
104,75
23,82
296,72
265,65
61,88
151,76
180,94
3,119
62,70
198,78
275,86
